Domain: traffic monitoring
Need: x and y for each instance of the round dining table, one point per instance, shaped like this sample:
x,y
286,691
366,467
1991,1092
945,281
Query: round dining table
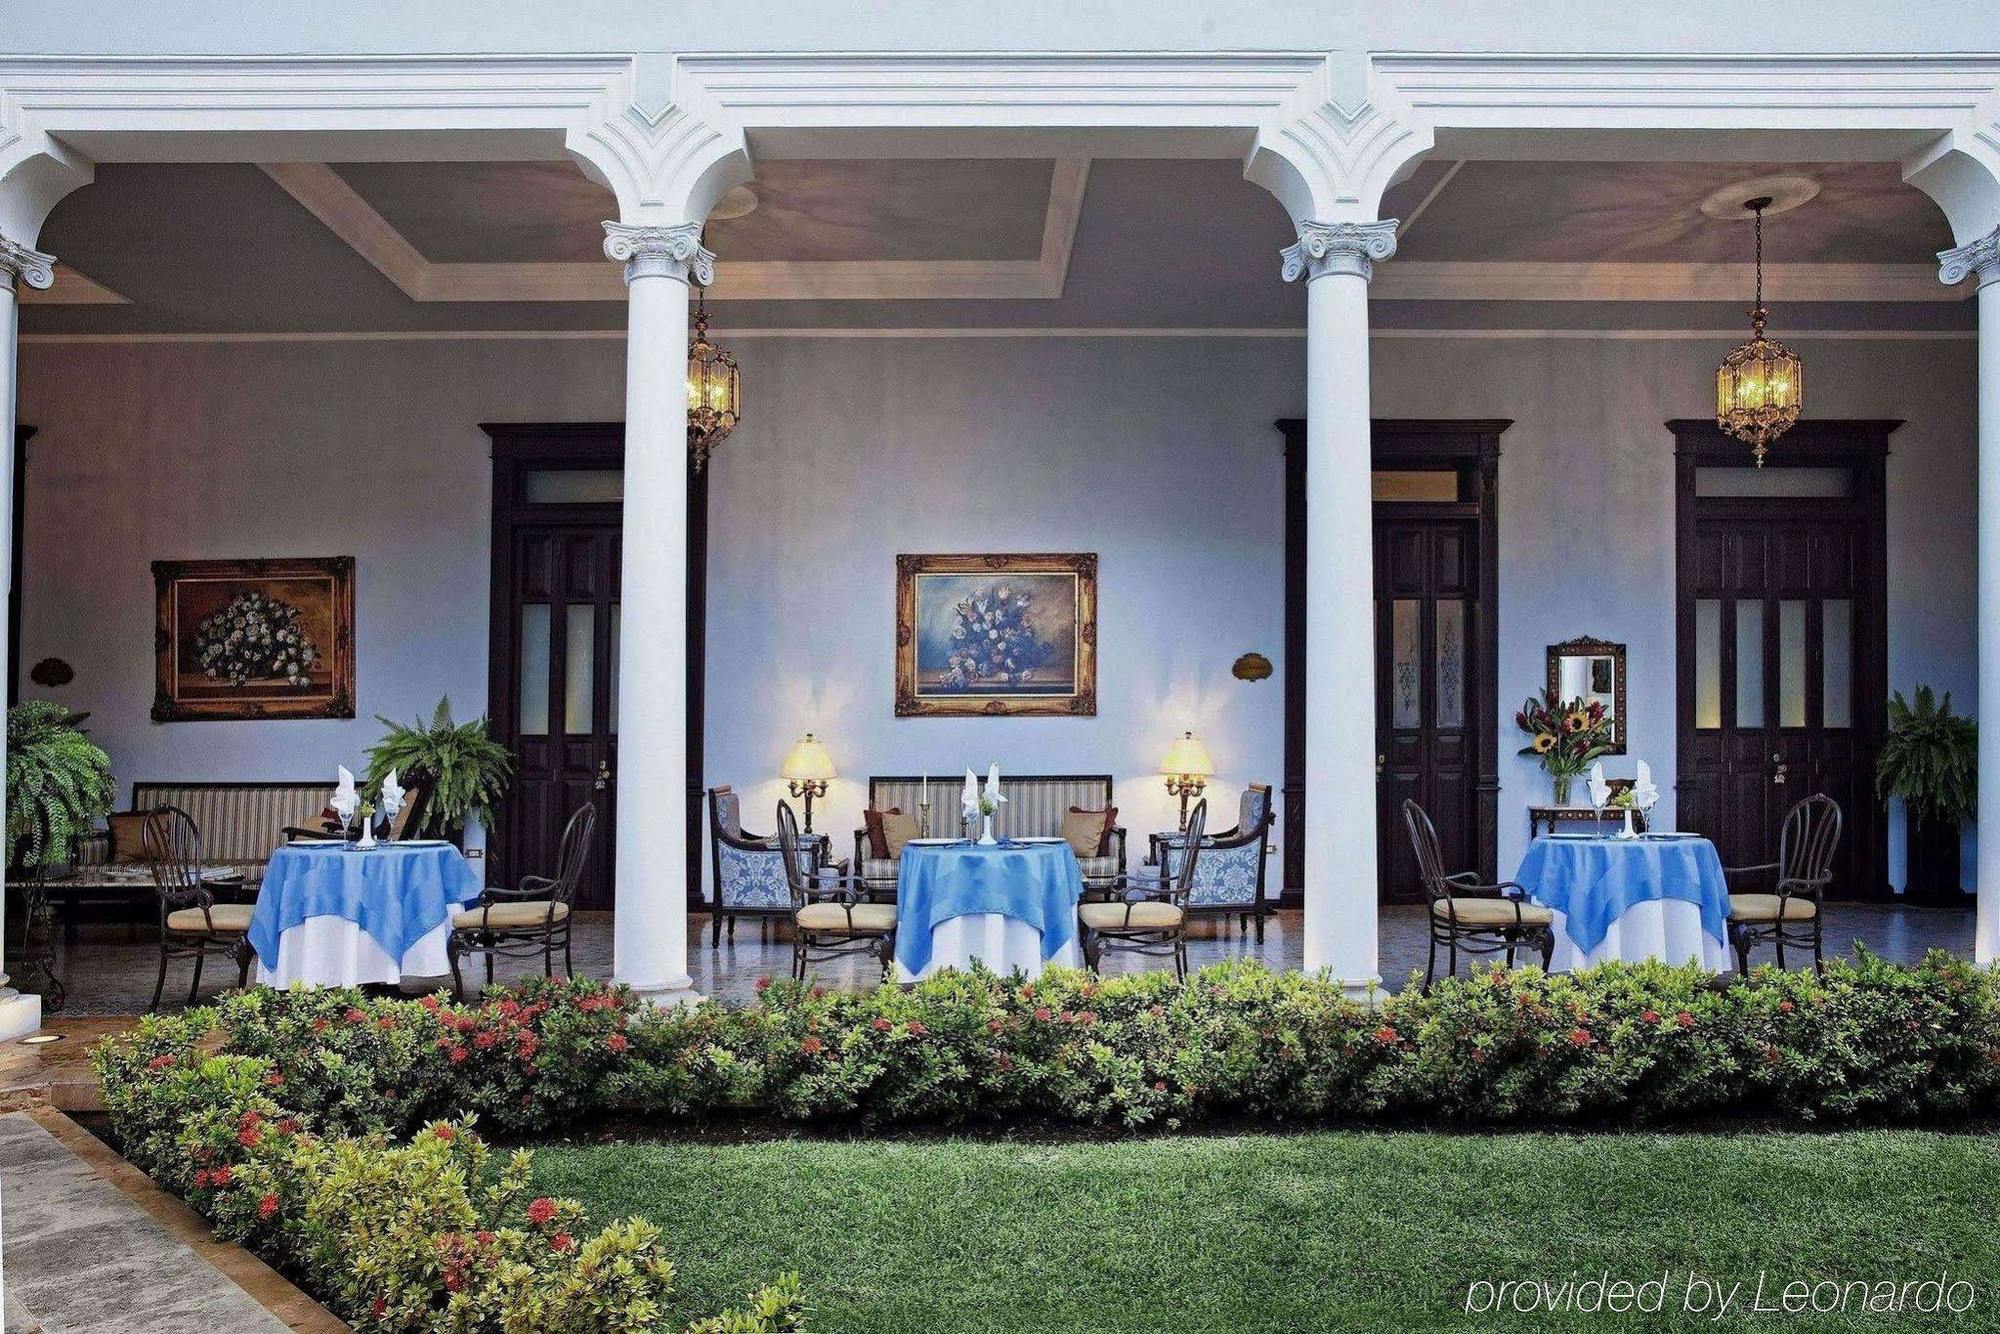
x,y
1654,896
332,914
1010,905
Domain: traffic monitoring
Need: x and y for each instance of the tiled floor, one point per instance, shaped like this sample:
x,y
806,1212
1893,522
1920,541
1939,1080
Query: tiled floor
x,y
110,971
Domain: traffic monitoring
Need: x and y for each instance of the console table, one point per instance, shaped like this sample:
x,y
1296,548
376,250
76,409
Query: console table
x,y
1547,819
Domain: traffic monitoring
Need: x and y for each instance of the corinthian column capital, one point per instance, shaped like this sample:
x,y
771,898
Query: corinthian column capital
x,y
34,268
1981,257
1338,247
660,252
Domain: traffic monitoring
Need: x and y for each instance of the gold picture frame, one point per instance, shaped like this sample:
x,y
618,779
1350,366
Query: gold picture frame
x,y
253,639
1011,635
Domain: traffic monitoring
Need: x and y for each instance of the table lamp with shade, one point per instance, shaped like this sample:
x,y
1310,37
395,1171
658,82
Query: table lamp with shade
x,y
806,772
1187,768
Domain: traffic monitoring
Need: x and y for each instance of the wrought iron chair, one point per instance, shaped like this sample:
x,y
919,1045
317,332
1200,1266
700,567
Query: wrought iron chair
x,y
1152,917
1792,915
1467,915
1231,880
192,924
828,919
533,919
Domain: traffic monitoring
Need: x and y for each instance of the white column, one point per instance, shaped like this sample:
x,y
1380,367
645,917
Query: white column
x,y
18,1014
649,934
1336,259
1981,259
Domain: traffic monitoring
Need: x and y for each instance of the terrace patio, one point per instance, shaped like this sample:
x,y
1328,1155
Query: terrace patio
x,y
1739,628
112,972
648,476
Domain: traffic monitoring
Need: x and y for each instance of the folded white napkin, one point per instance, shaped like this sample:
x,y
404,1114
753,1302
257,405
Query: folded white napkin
x,y
1600,791
993,785
345,800
392,794
1644,793
970,799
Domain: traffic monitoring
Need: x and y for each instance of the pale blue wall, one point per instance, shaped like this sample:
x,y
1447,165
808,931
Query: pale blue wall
x,y
1587,507
1156,453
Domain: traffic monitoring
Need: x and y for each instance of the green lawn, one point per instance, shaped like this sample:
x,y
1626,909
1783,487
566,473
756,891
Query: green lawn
x,y
1333,1231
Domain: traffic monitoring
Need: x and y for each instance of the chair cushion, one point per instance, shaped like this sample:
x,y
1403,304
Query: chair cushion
x,y
128,836
1148,916
1492,912
527,912
1085,831
1764,908
872,919
1099,868
225,916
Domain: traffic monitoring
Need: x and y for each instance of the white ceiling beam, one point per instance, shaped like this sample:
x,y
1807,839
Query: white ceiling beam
x,y
1496,280
327,196
1409,220
70,289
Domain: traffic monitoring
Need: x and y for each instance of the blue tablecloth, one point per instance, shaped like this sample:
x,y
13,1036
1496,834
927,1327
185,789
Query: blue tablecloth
x,y
1592,881
397,893
1036,883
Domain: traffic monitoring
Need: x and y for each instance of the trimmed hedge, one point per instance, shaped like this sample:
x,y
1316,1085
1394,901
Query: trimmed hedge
x,y
277,1113
426,1234
1868,1042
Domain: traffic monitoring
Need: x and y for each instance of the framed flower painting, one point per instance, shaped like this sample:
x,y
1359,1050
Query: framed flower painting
x,y
254,639
996,635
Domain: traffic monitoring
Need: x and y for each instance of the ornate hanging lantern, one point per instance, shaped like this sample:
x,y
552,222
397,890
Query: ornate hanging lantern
x,y
713,393
1760,386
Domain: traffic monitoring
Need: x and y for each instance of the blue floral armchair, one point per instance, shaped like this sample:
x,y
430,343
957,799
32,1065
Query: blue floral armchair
x,y
749,868
1229,874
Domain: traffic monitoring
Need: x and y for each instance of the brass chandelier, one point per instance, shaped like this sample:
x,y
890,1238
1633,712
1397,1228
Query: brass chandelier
x,y
1760,386
714,393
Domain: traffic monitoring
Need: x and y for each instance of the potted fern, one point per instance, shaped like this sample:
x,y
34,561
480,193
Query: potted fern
x,y
58,781
461,769
1930,758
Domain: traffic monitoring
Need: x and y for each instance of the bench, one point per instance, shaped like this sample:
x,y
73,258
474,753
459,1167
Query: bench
x,y
1035,806
241,823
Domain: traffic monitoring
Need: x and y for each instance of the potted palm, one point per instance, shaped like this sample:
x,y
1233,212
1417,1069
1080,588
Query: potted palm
x,y
461,769
1930,758
58,781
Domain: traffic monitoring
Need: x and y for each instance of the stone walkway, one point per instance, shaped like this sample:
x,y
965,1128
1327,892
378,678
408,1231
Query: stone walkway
x,y
84,1256
110,970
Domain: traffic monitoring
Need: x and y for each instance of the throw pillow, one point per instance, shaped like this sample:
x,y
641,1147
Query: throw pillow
x,y
128,836
878,838
1087,832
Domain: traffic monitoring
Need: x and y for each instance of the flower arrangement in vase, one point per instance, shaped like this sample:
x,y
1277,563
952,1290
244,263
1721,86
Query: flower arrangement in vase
x,y
1565,735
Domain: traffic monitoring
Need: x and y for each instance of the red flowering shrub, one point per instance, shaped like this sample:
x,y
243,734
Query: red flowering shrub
x,y
419,1236
1870,1041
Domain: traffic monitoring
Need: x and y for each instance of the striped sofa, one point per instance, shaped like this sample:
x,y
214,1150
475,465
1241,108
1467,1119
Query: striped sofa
x,y
240,825
1034,808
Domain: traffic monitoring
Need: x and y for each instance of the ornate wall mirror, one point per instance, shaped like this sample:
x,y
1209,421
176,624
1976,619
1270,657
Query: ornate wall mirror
x,y
1592,670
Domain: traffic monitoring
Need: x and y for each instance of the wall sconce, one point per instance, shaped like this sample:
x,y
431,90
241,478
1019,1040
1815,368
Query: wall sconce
x,y
806,772
1187,768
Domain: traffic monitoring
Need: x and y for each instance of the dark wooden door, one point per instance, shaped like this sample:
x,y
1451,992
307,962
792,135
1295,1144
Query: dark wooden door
x,y
1782,647
1426,581
1436,486
563,605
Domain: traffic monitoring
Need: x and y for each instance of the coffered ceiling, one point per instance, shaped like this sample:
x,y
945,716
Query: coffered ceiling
x,y
976,243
